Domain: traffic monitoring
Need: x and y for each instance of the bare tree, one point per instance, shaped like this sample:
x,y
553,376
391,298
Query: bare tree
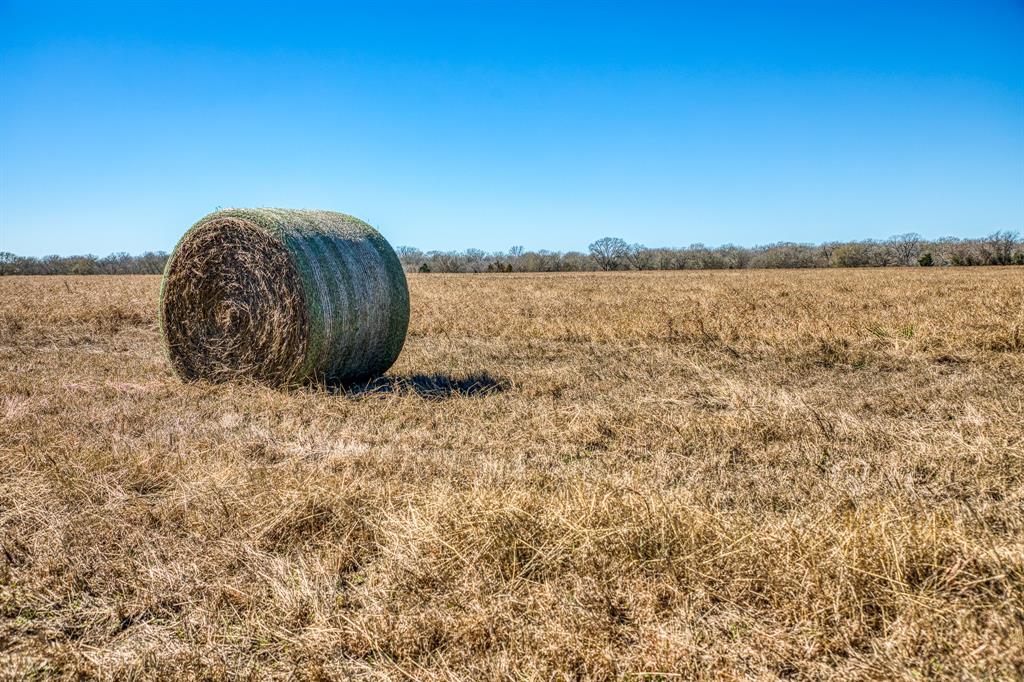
x,y
444,261
476,260
827,249
960,251
906,247
410,257
641,257
8,263
999,247
610,253
786,255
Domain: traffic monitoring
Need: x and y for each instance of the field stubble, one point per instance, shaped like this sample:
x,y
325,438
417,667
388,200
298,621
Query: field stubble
x,y
767,473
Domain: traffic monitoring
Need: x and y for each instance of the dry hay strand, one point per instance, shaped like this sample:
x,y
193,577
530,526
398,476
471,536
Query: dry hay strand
x,y
283,296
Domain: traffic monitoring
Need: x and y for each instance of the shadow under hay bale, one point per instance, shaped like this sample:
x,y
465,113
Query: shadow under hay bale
x,y
429,386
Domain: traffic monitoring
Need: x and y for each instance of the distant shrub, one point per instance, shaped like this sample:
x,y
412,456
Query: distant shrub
x,y
926,260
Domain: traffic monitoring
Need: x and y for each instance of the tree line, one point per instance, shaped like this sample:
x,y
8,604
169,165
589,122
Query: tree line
x,y
149,263
612,253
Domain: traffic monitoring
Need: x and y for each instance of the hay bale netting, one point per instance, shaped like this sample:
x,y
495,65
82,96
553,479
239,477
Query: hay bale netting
x,y
283,296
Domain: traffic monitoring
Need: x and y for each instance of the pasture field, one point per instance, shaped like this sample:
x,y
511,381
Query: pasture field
x,y
714,475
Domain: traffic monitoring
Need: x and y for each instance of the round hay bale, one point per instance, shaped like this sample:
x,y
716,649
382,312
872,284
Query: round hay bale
x,y
283,296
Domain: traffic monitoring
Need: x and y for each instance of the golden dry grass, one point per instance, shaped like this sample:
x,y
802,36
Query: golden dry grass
x,y
734,474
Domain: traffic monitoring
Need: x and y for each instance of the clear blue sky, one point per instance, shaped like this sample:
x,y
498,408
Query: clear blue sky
x,y
491,124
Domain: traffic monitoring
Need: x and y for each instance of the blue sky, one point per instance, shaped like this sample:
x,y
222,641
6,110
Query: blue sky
x,y
454,125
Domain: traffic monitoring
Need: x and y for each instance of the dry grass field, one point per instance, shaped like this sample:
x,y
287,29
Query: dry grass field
x,y
766,474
